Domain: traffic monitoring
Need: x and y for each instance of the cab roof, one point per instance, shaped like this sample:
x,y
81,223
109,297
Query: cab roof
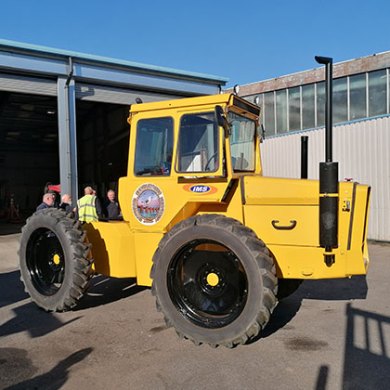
x,y
226,98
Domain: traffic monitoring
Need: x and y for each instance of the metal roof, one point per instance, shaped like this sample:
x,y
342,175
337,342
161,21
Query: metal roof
x,y
43,51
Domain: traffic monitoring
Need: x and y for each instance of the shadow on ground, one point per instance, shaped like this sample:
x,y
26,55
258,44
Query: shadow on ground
x,y
327,290
366,358
33,320
29,317
11,288
25,316
104,290
53,380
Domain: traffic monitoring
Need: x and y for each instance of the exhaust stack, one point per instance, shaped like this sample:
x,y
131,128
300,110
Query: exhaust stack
x,y
304,156
329,182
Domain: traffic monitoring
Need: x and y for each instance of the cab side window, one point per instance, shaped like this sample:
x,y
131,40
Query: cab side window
x,y
154,147
198,143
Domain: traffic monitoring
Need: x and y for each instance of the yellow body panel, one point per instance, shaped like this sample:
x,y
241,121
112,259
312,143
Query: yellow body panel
x,y
263,218
274,191
284,213
145,246
113,248
179,203
300,262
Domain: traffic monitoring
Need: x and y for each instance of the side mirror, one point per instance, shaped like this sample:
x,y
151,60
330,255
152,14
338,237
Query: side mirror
x,y
221,119
261,132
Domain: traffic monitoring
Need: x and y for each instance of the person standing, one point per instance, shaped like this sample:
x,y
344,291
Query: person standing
x,y
112,209
47,202
66,203
88,207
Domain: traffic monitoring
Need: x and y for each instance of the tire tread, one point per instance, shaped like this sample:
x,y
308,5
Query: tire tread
x,y
259,253
81,259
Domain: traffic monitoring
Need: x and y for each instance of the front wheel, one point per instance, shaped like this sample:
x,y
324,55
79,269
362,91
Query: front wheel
x,y
214,281
55,261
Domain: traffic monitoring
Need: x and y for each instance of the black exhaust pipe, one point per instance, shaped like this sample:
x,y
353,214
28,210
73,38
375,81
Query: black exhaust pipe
x,y
304,156
329,181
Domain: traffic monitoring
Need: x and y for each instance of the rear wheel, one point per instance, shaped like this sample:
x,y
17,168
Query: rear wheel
x,y
214,281
55,262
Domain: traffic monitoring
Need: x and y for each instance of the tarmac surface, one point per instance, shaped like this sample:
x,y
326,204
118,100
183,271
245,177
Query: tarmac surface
x,y
331,334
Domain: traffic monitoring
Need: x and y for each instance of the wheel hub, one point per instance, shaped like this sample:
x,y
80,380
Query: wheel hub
x,y
56,259
55,262
212,279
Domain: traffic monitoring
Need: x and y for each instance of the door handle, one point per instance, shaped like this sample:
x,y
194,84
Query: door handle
x,y
292,225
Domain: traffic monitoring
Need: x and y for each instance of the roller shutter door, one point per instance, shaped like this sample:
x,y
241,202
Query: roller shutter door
x,y
30,85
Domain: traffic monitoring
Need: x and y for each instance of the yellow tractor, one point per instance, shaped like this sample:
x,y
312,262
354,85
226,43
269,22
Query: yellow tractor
x,y
218,242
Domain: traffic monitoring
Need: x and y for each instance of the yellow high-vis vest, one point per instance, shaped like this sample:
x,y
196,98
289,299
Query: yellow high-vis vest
x,y
87,209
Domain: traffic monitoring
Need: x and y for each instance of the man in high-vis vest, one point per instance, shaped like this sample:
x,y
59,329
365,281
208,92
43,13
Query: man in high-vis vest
x,y
88,207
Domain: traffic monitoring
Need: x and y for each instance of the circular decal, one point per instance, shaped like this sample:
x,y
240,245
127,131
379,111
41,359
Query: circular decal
x,y
148,204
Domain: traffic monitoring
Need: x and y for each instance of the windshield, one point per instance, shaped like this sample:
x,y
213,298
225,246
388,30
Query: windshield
x,y
242,142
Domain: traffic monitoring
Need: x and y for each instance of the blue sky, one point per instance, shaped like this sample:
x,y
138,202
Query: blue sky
x,y
245,41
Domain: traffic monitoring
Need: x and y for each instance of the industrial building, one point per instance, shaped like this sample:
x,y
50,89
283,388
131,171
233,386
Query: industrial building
x,y
63,118
293,106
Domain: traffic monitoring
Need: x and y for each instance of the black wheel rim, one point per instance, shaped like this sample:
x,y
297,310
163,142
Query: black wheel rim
x,y
207,283
45,261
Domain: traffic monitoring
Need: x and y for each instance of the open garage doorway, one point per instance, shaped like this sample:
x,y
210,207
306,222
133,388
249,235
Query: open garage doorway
x,y
102,145
28,154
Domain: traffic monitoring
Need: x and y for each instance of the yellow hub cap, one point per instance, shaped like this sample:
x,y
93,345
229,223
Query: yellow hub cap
x,y
56,259
212,279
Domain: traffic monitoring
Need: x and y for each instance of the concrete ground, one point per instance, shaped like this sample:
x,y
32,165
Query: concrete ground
x,y
328,335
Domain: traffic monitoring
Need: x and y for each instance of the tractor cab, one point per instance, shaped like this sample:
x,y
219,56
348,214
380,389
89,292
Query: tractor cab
x,y
186,156
214,137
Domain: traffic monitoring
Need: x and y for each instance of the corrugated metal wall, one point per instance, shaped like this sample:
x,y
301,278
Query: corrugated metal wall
x,y
363,152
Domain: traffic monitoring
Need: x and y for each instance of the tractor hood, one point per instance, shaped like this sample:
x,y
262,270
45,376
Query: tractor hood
x,y
259,190
287,212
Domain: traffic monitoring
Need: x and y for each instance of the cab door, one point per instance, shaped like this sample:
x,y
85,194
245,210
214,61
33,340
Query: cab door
x,y
177,160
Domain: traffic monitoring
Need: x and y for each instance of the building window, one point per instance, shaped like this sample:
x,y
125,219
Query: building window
x,y
281,111
308,106
303,107
294,109
377,104
320,104
357,96
340,102
269,113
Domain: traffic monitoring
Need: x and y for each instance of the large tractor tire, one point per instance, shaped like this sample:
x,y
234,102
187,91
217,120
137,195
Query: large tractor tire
x,y
214,281
55,260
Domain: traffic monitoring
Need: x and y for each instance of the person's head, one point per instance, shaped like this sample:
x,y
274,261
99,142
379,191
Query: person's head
x,y
111,195
48,199
66,198
89,191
